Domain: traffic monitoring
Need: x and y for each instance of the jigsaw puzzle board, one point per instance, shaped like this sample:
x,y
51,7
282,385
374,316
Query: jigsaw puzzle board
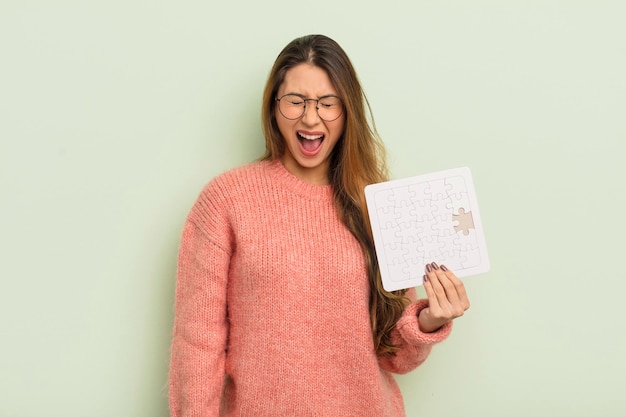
x,y
423,219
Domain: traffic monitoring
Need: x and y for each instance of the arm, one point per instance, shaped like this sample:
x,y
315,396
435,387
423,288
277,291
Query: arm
x,y
426,322
414,344
200,324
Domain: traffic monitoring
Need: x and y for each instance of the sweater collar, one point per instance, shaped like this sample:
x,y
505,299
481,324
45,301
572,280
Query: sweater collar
x,y
286,179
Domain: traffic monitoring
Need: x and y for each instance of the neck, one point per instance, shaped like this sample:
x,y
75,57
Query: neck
x,y
316,176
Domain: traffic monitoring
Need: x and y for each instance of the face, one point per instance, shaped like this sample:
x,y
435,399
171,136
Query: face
x,y
309,140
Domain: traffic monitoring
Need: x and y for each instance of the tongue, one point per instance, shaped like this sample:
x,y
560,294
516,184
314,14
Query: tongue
x,y
311,145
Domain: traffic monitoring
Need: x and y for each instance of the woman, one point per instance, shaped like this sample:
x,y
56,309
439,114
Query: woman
x,y
280,309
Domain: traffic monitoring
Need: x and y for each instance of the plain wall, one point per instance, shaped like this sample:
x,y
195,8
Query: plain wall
x,y
114,114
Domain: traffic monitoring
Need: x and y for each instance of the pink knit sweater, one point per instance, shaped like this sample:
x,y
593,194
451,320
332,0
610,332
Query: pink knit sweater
x,y
272,313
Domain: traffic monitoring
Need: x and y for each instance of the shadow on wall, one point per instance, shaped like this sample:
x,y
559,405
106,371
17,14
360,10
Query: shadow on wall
x,y
158,340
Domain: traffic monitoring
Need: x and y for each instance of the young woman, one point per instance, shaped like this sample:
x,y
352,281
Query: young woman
x,y
280,309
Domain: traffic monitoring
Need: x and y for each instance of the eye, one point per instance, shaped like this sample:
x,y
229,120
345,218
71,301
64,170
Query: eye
x,y
329,102
293,100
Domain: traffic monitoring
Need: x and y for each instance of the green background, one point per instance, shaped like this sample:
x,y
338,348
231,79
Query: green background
x,y
114,114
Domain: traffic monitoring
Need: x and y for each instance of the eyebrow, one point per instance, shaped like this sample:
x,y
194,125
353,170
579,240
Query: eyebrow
x,y
303,96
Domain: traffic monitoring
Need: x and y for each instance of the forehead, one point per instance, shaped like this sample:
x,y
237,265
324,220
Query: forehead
x,y
307,79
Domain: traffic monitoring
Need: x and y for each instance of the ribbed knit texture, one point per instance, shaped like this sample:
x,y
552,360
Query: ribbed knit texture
x,y
272,314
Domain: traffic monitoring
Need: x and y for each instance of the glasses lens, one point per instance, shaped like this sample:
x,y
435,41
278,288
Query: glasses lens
x,y
291,106
329,108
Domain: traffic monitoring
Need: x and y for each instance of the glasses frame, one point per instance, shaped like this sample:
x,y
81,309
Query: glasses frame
x,y
317,109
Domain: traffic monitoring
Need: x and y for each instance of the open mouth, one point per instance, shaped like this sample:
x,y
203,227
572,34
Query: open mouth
x,y
310,143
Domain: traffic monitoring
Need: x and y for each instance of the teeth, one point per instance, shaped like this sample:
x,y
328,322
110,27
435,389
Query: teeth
x,y
310,137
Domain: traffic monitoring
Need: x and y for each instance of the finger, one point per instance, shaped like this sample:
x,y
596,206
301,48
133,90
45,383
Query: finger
x,y
448,286
460,287
454,305
433,303
438,289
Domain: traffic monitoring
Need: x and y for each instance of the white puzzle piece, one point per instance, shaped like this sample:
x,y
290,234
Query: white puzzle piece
x,y
423,219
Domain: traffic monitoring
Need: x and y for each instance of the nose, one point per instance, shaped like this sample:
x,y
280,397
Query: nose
x,y
310,116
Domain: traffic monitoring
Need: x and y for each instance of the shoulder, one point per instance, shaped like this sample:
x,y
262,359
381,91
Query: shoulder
x,y
240,184
227,193
249,172
237,180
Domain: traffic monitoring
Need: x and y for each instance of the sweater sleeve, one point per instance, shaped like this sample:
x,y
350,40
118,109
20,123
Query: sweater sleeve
x,y
415,345
200,333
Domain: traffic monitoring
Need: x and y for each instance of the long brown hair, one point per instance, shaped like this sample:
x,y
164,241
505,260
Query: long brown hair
x,y
358,159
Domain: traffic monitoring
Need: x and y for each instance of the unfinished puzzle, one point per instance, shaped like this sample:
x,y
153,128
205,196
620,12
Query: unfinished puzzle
x,y
430,218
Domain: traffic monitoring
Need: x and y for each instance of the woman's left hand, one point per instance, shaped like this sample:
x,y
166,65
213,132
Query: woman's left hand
x,y
447,298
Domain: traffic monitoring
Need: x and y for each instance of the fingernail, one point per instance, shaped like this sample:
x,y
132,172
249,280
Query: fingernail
x,y
425,278
435,265
428,268
443,268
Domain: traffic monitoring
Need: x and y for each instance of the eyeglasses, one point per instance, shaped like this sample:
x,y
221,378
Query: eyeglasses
x,y
293,106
